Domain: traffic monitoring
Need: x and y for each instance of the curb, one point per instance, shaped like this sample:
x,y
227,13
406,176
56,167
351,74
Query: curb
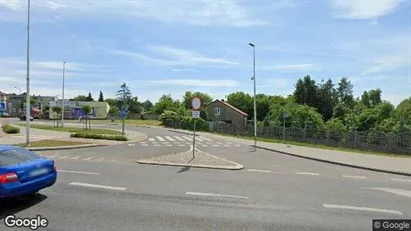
x,y
187,133
336,163
238,167
65,147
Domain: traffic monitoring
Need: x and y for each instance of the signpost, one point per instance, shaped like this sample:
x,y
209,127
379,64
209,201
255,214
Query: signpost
x,y
196,105
284,116
2,107
123,117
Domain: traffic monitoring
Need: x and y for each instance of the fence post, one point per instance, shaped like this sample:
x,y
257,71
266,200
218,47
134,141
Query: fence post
x,y
328,136
355,138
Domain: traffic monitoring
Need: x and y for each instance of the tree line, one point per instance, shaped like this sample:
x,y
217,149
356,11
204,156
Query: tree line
x,y
319,105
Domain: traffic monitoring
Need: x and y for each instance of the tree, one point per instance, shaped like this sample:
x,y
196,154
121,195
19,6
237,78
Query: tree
x,y
166,103
242,101
79,98
134,105
327,99
263,106
345,92
101,97
147,105
89,97
188,97
57,109
87,110
371,98
124,95
306,92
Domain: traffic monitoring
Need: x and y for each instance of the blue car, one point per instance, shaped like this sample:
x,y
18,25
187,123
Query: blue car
x,y
23,172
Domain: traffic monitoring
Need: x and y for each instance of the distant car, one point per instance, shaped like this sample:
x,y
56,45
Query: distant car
x,y
23,172
23,118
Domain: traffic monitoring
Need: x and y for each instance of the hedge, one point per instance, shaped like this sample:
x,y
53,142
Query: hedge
x,y
97,136
9,129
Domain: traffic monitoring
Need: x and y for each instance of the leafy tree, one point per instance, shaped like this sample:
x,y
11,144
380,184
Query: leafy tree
x,y
242,101
124,95
101,97
263,106
87,110
188,97
57,109
80,98
147,105
89,97
345,93
306,92
134,105
327,99
167,103
297,116
371,98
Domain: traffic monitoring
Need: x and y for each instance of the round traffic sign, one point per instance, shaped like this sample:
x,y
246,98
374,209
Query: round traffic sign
x,y
196,103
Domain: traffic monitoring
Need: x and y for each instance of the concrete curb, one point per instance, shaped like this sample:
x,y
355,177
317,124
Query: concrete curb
x,y
182,132
66,147
335,162
222,167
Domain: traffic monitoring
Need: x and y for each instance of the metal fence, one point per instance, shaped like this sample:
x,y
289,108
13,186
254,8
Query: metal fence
x,y
377,141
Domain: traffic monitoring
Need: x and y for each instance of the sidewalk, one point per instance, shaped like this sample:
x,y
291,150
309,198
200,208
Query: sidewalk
x,y
380,163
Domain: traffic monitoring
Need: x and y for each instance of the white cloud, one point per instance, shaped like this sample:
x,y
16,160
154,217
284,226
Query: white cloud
x,y
290,67
386,64
196,83
181,70
176,57
363,9
278,82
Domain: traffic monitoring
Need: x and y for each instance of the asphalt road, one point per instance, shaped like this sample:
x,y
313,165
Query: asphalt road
x,y
273,192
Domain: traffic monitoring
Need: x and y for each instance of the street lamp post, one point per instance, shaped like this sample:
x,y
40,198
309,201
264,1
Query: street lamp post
x,y
255,103
62,103
28,78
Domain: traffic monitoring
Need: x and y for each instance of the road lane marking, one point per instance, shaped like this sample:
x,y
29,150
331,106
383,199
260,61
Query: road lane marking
x,y
402,180
160,138
308,173
179,138
199,139
78,172
52,156
169,138
214,195
204,138
216,145
131,145
401,192
181,145
151,139
169,145
97,186
356,177
362,209
88,158
226,145
237,145
187,138
63,157
75,158
101,159
258,170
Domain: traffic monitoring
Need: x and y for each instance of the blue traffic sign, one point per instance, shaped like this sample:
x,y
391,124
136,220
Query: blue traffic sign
x,y
123,113
284,114
2,106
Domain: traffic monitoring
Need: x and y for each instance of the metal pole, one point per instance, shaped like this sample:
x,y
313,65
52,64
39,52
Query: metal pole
x,y
28,78
284,127
194,137
62,107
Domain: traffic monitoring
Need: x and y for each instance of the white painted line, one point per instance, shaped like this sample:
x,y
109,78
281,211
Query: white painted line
x,y
151,139
356,177
204,138
179,138
101,159
169,145
52,156
131,145
214,195
169,138
402,180
160,138
187,138
226,145
362,209
401,192
78,172
88,158
209,143
181,145
199,139
258,170
216,145
63,157
308,173
237,145
97,186
75,158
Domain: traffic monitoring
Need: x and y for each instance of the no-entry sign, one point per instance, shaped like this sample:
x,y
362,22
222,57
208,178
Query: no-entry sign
x,y
196,103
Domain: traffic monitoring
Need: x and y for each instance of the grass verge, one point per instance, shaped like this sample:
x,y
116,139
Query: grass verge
x,y
129,122
76,129
10,129
52,143
320,146
87,135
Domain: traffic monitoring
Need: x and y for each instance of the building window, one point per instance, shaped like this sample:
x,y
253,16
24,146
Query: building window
x,y
216,111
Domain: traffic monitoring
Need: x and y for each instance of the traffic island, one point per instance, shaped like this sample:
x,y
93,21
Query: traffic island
x,y
185,159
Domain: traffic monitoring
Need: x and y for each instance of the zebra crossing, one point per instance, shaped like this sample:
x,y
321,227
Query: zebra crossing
x,y
82,158
182,141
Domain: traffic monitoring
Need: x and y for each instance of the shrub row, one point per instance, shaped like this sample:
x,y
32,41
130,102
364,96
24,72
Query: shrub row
x,y
10,129
87,135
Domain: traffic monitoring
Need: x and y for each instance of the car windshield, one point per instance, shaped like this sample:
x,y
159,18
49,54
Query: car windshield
x,y
16,156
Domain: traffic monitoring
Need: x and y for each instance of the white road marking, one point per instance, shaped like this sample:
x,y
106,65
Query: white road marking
x,y
181,145
88,158
237,145
402,180
204,138
308,173
63,157
199,139
402,192
52,156
356,177
187,138
226,145
169,145
97,186
362,209
160,138
75,158
216,145
78,172
131,145
101,159
179,138
169,138
151,139
209,142
258,170
214,195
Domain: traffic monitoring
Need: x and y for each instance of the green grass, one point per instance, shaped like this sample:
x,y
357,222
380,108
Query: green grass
x,y
10,129
87,135
130,122
52,143
302,144
76,129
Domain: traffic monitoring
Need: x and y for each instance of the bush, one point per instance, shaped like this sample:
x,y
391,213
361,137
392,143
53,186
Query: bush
x,y
169,115
98,136
188,123
9,129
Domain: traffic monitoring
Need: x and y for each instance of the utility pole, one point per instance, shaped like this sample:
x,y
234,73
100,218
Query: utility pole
x,y
255,101
28,78
62,103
